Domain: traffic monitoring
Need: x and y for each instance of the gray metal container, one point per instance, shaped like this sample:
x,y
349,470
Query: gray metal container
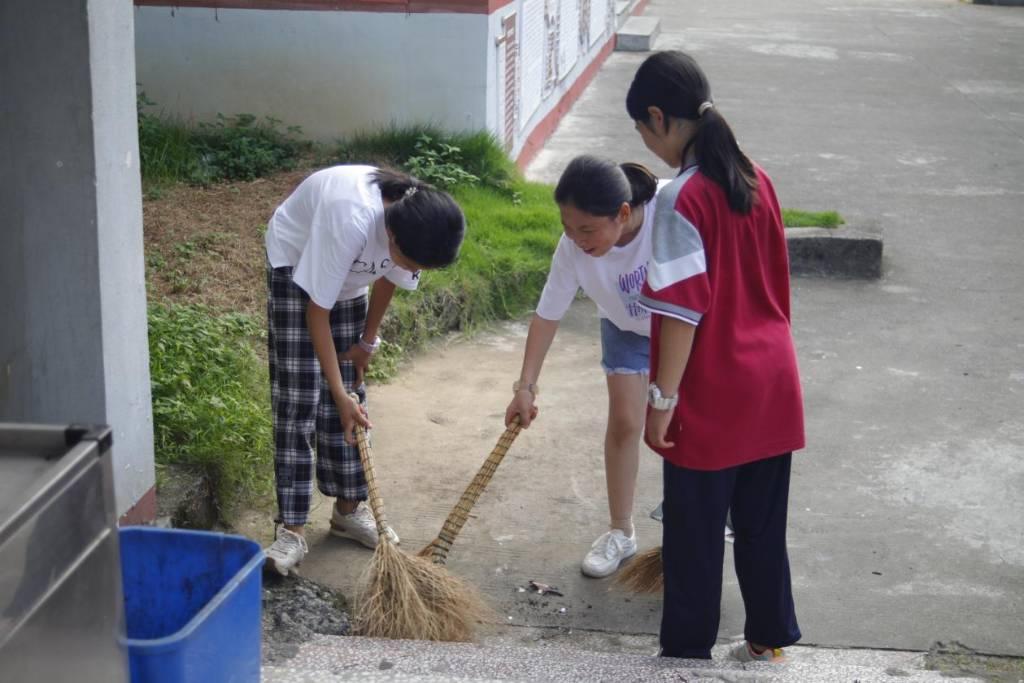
x,y
61,603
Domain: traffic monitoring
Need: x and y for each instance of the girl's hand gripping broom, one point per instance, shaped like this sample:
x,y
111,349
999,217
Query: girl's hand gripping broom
x,y
437,550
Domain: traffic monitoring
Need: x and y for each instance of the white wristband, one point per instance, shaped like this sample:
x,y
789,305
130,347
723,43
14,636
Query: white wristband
x,y
369,348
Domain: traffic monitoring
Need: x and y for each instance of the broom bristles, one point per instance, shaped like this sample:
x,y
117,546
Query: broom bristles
x,y
643,574
401,596
408,597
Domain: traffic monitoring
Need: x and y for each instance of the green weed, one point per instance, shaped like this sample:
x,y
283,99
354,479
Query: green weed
x,y
240,147
210,398
440,164
477,154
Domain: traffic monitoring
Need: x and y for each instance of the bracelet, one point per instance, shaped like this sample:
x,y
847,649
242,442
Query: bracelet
x,y
369,348
518,386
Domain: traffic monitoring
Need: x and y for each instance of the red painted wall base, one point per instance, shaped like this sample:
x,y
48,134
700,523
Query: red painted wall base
x,y
143,512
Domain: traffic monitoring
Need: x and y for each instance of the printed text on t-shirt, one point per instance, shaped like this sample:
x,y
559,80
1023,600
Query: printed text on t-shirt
x,y
630,285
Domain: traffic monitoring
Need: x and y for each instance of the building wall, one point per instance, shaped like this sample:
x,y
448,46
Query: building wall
x,y
330,72
547,50
72,317
508,66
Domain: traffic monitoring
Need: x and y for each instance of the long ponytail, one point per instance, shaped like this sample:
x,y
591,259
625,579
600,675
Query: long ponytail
x,y
675,83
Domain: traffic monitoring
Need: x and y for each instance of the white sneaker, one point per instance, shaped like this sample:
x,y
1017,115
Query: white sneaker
x,y
608,552
287,551
359,525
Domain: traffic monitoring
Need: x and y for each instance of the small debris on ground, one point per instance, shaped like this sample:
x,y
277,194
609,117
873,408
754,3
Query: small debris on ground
x,y
545,589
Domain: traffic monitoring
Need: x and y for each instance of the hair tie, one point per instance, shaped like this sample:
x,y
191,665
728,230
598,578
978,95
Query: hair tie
x,y
707,104
410,192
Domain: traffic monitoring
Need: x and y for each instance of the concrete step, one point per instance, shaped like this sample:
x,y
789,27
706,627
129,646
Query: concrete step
x,y
333,659
638,34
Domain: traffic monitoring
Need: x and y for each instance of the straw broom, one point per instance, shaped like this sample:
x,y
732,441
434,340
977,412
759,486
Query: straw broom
x,y
407,597
643,574
437,550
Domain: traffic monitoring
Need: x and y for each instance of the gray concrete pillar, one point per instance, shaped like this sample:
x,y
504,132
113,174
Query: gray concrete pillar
x,y
72,281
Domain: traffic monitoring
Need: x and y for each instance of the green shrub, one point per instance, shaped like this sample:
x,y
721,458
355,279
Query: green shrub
x,y
244,148
478,154
210,398
440,164
241,147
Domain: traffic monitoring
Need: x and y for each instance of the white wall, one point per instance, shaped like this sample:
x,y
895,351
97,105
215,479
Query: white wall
x,y
329,72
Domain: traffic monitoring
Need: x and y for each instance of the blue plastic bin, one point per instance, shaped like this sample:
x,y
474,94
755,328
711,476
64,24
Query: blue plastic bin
x,y
192,603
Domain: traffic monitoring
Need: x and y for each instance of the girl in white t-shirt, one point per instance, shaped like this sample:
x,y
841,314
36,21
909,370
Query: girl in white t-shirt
x,y
607,212
343,229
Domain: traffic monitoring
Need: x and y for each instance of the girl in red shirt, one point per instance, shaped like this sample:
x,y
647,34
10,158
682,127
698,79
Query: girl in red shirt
x,y
726,409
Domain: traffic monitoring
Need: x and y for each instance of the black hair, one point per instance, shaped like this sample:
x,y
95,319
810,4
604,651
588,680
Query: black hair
x,y
600,188
643,184
675,83
427,224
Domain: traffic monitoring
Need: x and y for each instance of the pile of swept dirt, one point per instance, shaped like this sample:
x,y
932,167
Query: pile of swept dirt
x,y
294,610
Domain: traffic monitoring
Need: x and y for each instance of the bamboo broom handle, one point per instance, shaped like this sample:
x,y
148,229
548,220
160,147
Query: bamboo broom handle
x,y
376,502
460,513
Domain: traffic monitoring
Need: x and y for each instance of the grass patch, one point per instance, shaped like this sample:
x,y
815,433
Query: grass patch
x,y
210,398
241,147
797,218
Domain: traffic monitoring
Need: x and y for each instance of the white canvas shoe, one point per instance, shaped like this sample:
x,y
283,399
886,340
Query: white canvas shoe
x,y
608,552
359,525
286,552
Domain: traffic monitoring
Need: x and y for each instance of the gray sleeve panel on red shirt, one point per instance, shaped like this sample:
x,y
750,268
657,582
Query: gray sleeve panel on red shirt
x,y
677,250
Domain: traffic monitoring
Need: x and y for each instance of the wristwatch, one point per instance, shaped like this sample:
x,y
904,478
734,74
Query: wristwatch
x,y
659,402
518,386
369,348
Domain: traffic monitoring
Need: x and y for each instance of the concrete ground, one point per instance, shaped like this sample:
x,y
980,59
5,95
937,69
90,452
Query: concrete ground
x,y
907,517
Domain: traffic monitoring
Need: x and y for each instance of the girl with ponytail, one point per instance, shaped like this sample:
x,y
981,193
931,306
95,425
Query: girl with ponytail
x,y
607,213
343,230
725,406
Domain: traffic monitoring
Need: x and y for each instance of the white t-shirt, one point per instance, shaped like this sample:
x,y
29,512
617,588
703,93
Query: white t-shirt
x,y
331,231
613,281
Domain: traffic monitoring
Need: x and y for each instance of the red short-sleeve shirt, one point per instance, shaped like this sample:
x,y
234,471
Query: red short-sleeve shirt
x,y
728,274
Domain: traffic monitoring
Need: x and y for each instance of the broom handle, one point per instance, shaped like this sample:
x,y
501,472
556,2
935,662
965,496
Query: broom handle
x,y
376,502
460,513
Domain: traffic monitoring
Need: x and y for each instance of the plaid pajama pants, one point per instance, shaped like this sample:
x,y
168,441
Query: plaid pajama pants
x,y
302,404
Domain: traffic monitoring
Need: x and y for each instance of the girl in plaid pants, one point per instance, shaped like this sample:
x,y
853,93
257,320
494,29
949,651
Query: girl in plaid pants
x,y
342,230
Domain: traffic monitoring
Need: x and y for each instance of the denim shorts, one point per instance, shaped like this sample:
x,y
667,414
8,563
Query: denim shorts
x,y
624,353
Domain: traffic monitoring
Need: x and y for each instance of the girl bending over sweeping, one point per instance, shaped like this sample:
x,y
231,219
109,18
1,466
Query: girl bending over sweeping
x,y
343,229
607,212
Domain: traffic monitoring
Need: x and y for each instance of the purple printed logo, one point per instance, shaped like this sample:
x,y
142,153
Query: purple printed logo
x,y
630,285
